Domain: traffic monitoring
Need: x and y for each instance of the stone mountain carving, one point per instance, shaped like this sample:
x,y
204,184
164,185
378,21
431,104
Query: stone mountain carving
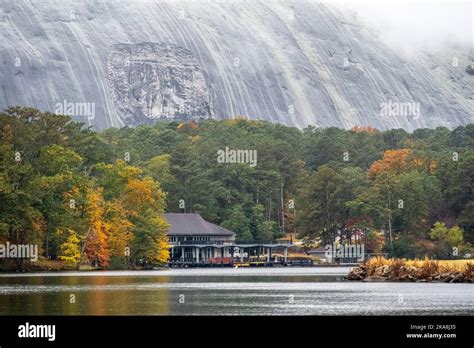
x,y
152,81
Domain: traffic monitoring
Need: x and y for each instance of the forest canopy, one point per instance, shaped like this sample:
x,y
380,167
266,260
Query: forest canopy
x,y
98,198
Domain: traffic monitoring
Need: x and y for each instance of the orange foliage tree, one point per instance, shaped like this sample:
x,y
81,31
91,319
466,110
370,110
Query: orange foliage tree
x,y
97,248
393,161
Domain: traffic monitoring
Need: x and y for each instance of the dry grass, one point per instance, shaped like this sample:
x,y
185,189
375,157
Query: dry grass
x,y
458,265
420,269
454,265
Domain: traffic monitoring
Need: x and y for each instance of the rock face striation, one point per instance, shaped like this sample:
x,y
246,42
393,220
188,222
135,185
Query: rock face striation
x,y
297,62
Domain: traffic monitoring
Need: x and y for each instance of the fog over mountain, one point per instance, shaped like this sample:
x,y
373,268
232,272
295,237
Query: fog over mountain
x,y
115,63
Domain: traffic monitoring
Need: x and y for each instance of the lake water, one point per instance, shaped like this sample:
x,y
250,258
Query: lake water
x,y
226,291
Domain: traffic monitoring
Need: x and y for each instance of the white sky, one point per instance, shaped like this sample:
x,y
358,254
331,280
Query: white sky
x,y
408,24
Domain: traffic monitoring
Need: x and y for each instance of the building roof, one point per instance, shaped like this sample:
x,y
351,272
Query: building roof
x,y
193,224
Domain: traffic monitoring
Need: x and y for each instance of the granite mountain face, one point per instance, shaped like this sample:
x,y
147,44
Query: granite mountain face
x,y
295,62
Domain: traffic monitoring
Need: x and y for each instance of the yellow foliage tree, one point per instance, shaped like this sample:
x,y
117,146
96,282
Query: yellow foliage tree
x,y
120,229
70,251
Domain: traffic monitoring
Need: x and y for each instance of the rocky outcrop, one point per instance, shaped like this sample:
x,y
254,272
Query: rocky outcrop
x,y
357,273
151,81
409,274
297,62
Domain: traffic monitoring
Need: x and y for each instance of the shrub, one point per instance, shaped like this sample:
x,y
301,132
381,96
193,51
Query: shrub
x,y
403,247
118,262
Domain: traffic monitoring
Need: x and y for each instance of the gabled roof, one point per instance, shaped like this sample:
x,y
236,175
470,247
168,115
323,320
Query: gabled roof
x,y
193,224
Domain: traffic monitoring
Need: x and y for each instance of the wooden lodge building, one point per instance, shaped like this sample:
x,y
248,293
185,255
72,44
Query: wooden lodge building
x,y
197,242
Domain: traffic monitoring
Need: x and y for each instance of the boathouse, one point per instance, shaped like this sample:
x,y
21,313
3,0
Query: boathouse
x,y
196,242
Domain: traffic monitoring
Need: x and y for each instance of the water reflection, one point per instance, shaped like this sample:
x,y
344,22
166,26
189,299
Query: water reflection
x,y
77,295
306,291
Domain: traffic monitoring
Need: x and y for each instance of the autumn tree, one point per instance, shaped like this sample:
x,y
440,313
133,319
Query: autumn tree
x,y
96,244
70,251
135,213
393,162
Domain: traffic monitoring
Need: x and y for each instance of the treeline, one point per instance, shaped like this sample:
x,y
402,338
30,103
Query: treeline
x,y
59,190
408,194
